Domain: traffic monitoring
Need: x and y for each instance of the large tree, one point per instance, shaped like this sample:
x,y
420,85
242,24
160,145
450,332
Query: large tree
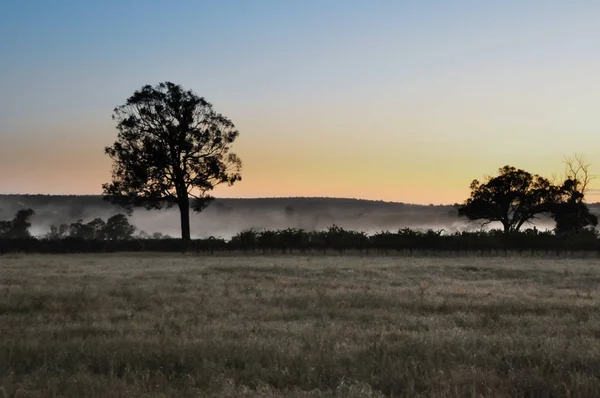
x,y
172,149
513,198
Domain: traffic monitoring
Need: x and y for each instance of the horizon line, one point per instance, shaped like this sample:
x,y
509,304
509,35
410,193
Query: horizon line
x,y
270,197
250,198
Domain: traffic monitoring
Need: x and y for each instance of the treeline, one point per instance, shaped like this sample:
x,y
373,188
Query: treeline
x,y
406,240
334,240
116,228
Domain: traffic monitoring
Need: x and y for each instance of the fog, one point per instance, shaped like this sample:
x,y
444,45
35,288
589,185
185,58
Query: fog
x,y
226,217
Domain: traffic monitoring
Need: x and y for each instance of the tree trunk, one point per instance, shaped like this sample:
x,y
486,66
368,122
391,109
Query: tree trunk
x,y
184,210
506,226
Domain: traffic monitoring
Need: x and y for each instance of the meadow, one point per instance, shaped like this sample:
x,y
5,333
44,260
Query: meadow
x,y
165,325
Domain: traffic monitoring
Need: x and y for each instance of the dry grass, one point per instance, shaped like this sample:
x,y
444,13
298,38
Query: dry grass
x,y
148,325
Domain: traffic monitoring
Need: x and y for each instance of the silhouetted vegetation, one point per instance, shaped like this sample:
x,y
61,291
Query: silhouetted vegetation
x,y
171,146
17,228
516,197
116,227
572,216
513,198
570,213
334,240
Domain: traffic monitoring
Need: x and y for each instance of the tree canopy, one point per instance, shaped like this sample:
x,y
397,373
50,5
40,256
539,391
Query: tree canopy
x,y
513,198
172,148
18,228
118,227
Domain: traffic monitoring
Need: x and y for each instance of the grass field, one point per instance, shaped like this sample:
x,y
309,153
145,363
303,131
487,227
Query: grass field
x,y
235,326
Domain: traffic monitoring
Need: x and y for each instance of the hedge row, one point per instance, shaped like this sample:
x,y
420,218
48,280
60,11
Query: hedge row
x,y
334,240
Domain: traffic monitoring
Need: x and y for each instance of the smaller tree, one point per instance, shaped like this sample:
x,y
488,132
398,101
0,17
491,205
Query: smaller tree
x,y
96,227
570,212
118,228
142,235
57,232
18,228
577,169
5,227
572,217
513,198
160,235
80,230
93,230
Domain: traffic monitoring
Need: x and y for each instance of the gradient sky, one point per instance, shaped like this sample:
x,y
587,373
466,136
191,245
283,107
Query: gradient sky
x,y
395,100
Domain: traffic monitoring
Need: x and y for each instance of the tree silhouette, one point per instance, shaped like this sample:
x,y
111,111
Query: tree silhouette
x,y
572,217
513,198
93,230
577,169
98,226
118,227
18,228
57,232
5,227
160,235
171,146
571,214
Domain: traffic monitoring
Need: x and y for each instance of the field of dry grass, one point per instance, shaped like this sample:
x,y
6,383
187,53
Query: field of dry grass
x,y
253,326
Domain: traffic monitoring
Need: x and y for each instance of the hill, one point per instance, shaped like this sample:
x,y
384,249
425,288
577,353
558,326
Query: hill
x,y
225,216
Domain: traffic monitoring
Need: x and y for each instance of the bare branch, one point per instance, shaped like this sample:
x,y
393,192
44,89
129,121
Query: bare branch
x,y
578,169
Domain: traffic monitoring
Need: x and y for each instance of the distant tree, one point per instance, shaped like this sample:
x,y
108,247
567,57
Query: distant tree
x,y
171,146
577,169
57,232
572,217
5,227
159,235
18,228
155,235
78,230
570,212
21,224
513,198
97,229
142,235
93,230
118,228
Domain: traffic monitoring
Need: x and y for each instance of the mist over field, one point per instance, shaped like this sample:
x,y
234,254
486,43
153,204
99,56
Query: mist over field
x,y
226,217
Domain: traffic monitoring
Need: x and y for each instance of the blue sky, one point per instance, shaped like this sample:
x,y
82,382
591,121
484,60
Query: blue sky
x,y
398,100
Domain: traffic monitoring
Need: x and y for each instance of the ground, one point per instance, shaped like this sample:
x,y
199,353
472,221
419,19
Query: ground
x,y
298,326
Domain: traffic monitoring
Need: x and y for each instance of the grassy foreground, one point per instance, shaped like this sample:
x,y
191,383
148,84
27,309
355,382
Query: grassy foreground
x,y
234,326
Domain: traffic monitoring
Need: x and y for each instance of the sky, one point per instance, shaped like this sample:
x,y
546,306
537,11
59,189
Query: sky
x,y
383,99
